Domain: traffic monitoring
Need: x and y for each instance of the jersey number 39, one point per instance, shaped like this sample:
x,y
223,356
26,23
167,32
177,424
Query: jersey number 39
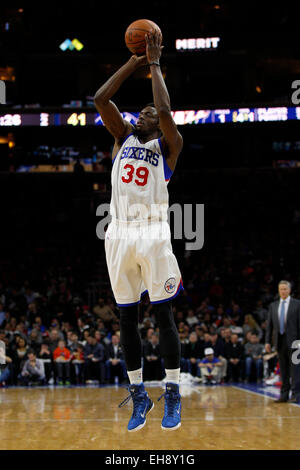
x,y
141,173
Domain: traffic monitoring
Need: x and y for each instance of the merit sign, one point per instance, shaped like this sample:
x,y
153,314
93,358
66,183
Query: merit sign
x,y
197,43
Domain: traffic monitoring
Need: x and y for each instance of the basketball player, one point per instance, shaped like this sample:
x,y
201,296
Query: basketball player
x,y
137,242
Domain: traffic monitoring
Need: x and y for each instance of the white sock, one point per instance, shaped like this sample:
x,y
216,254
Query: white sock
x,y
135,376
173,375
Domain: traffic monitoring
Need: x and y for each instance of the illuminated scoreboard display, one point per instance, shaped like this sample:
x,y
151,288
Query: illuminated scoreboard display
x,y
201,116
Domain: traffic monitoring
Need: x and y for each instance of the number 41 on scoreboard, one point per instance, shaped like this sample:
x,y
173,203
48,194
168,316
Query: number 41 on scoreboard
x,y
77,119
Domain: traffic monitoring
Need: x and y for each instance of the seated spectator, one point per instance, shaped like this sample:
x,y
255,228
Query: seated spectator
x,y
218,317
35,340
191,318
115,364
100,336
94,357
228,323
81,327
100,325
21,330
253,353
200,333
179,317
145,326
45,356
260,313
38,325
193,354
247,338
225,334
152,367
251,325
21,353
234,353
77,359
210,368
68,339
218,346
148,335
207,340
236,314
114,330
54,338
61,357
73,340
33,371
103,311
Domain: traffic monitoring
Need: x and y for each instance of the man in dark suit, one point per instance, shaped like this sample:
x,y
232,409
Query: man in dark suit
x,y
284,327
234,353
115,364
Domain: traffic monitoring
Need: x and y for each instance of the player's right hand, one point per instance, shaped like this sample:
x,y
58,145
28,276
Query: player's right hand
x,y
138,60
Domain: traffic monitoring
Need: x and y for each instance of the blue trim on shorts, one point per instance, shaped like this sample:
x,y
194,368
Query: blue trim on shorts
x,y
179,289
121,146
128,305
145,292
134,303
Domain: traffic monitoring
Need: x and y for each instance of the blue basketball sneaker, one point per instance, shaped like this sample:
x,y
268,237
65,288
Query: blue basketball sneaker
x,y
172,416
142,404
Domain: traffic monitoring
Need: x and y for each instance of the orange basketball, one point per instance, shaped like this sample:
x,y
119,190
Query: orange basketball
x,y
135,35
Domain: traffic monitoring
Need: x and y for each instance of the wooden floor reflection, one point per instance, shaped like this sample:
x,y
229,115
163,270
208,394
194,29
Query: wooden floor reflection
x,y
213,418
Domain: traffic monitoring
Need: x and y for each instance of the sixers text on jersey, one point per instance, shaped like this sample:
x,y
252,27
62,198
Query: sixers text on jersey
x,y
141,153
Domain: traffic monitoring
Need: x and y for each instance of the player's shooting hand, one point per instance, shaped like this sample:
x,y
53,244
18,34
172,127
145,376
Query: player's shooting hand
x,y
138,60
153,46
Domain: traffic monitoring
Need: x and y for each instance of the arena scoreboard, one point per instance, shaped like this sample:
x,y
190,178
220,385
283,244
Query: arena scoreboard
x,y
77,118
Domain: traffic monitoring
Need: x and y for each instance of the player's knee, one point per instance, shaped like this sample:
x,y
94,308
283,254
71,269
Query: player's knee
x,y
164,315
128,323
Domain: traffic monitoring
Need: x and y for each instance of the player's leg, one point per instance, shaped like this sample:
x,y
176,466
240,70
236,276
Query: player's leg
x,y
170,351
132,349
127,286
162,278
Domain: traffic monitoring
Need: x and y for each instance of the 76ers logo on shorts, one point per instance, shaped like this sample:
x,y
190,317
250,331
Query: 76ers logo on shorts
x,y
170,285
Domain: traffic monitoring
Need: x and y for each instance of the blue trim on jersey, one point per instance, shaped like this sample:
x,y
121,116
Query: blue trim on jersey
x,y
167,170
134,303
179,289
121,146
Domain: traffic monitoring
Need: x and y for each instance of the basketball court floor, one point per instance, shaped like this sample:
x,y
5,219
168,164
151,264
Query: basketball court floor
x,y
235,417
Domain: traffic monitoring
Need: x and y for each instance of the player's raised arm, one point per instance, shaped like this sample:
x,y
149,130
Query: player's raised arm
x,y
172,139
108,111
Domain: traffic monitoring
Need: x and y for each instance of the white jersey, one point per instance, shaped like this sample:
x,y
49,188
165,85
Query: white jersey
x,y
139,179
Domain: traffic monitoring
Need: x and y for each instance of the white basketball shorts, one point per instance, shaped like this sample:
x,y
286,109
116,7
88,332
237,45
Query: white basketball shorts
x,y
140,258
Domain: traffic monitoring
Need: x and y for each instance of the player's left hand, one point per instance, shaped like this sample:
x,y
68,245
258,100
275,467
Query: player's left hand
x,y
153,46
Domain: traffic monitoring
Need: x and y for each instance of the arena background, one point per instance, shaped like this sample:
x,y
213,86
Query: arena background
x,y
245,172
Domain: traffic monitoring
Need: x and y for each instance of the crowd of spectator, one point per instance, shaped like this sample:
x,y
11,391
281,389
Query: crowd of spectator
x,y
52,337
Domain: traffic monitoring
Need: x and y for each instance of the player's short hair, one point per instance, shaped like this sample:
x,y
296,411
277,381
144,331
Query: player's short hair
x,y
152,105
